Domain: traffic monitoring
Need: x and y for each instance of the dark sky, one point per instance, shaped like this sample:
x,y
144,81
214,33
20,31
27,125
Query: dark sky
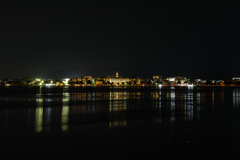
x,y
179,37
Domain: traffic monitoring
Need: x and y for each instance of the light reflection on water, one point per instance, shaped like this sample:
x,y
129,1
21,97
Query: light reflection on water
x,y
117,123
47,114
64,120
236,97
56,109
39,119
65,110
172,96
173,120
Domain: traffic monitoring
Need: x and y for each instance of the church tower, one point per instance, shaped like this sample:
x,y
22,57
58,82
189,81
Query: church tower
x,y
117,74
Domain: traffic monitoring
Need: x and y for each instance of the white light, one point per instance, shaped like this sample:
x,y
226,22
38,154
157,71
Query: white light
x,y
66,81
172,79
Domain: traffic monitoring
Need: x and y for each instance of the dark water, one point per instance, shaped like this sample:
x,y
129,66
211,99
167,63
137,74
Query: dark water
x,y
131,122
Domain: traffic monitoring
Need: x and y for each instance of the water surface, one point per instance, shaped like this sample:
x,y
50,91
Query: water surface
x,y
130,122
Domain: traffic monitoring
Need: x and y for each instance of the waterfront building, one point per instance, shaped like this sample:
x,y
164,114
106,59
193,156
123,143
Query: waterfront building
x,y
236,78
80,81
135,80
157,79
117,80
177,80
88,78
25,81
114,80
65,81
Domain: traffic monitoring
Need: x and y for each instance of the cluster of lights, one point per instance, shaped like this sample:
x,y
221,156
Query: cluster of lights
x,y
66,81
190,85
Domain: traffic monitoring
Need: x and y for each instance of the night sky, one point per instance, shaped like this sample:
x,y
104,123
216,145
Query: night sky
x,y
167,38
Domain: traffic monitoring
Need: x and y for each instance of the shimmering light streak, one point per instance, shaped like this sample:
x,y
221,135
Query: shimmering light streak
x,y
64,118
39,119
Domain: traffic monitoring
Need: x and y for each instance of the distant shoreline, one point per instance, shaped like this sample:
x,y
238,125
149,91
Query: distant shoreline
x,y
145,86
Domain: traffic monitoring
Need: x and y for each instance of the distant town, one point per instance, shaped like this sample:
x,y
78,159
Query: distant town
x,y
120,81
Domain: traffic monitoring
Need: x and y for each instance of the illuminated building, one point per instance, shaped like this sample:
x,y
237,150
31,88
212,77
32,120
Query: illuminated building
x,y
157,79
118,80
65,81
236,78
177,80
136,80
112,80
88,77
99,82
81,81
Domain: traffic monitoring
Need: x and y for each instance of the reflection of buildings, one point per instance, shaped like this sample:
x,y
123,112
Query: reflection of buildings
x,y
47,117
236,97
177,104
235,130
39,112
65,110
190,102
117,123
172,104
64,119
118,102
39,119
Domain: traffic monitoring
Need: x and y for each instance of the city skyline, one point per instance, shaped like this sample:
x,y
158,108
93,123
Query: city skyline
x,y
118,80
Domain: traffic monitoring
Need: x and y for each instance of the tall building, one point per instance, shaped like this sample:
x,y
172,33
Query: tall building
x,y
118,79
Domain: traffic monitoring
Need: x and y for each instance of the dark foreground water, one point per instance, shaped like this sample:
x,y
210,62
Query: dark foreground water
x,y
116,123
